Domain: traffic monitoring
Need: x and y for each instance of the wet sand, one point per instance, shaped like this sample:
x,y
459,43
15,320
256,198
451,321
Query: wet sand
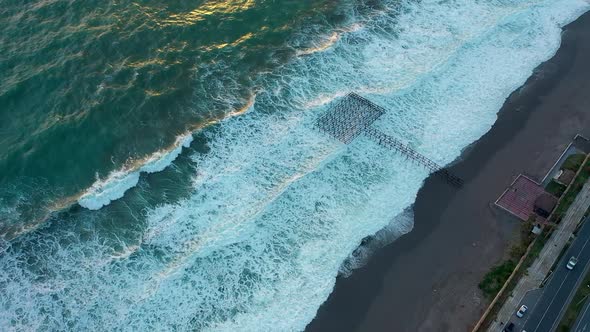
x,y
427,280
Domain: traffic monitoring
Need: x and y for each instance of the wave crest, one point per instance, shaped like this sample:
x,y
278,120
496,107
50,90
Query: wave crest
x,y
114,186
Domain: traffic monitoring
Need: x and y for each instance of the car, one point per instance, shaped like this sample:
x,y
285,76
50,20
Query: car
x,y
571,263
509,328
521,311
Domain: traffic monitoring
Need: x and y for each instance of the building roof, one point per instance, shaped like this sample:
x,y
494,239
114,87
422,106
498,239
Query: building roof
x,y
546,202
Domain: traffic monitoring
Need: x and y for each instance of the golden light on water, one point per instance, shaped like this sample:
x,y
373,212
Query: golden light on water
x,y
210,8
223,45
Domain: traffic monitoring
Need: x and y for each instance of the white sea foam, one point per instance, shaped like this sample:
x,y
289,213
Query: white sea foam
x,y
397,227
278,207
114,186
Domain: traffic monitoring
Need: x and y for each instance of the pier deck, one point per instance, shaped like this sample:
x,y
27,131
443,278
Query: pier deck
x,y
353,115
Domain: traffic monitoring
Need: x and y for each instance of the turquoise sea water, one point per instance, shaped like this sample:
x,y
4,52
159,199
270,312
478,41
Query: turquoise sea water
x,y
92,87
159,169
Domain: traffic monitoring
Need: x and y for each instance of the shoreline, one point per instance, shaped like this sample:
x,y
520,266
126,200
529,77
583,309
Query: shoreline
x,y
427,279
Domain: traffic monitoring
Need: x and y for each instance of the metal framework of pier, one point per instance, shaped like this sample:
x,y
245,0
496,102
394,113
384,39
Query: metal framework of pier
x,y
353,115
349,118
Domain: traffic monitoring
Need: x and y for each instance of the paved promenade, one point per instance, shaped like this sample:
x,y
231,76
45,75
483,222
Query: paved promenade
x,y
540,268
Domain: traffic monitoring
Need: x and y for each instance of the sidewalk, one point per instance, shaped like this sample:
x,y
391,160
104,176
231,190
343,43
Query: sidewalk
x,y
539,269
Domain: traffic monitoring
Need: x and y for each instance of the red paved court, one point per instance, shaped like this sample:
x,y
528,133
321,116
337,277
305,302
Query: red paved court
x,y
519,198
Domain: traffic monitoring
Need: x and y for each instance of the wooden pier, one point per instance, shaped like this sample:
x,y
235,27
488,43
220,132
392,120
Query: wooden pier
x,y
410,154
349,117
353,115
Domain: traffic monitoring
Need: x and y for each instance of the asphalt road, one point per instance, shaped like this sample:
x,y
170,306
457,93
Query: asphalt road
x,y
583,322
557,293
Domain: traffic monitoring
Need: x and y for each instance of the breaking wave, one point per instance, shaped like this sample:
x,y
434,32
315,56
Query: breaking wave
x,y
114,186
276,207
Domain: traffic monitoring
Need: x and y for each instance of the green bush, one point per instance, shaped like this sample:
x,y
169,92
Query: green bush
x,y
554,188
517,251
573,162
495,279
575,188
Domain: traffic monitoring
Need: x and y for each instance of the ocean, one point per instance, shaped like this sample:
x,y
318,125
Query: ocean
x,y
159,164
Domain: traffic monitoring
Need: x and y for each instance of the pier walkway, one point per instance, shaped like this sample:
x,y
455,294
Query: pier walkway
x,y
353,116
391,143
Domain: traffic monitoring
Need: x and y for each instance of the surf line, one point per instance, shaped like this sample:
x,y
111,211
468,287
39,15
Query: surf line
x,y
113,187
103,191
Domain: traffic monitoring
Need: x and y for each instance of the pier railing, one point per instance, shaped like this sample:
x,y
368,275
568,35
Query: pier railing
x,y
353,115
349,117
411,154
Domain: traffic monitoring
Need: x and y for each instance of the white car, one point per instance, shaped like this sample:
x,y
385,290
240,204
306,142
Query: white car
x,y
522,311
571,263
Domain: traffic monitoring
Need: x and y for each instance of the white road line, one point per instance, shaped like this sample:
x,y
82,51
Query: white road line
x,y
548,306
533,307
574,289
583,314
556,293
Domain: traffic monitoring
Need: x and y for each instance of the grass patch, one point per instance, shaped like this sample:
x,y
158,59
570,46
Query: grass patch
x,y
554,188
533,254
575,188
495,279
573,310
497,276
573,162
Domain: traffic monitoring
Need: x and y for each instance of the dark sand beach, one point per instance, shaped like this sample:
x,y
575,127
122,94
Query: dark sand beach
x,y
427,280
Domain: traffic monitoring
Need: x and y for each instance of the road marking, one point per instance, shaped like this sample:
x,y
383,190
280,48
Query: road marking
x,y
533,307
550,303
556,293
582,317
575,288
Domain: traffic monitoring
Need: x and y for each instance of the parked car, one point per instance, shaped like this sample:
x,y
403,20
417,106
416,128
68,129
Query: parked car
x,y
571,263
522,311
509,328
